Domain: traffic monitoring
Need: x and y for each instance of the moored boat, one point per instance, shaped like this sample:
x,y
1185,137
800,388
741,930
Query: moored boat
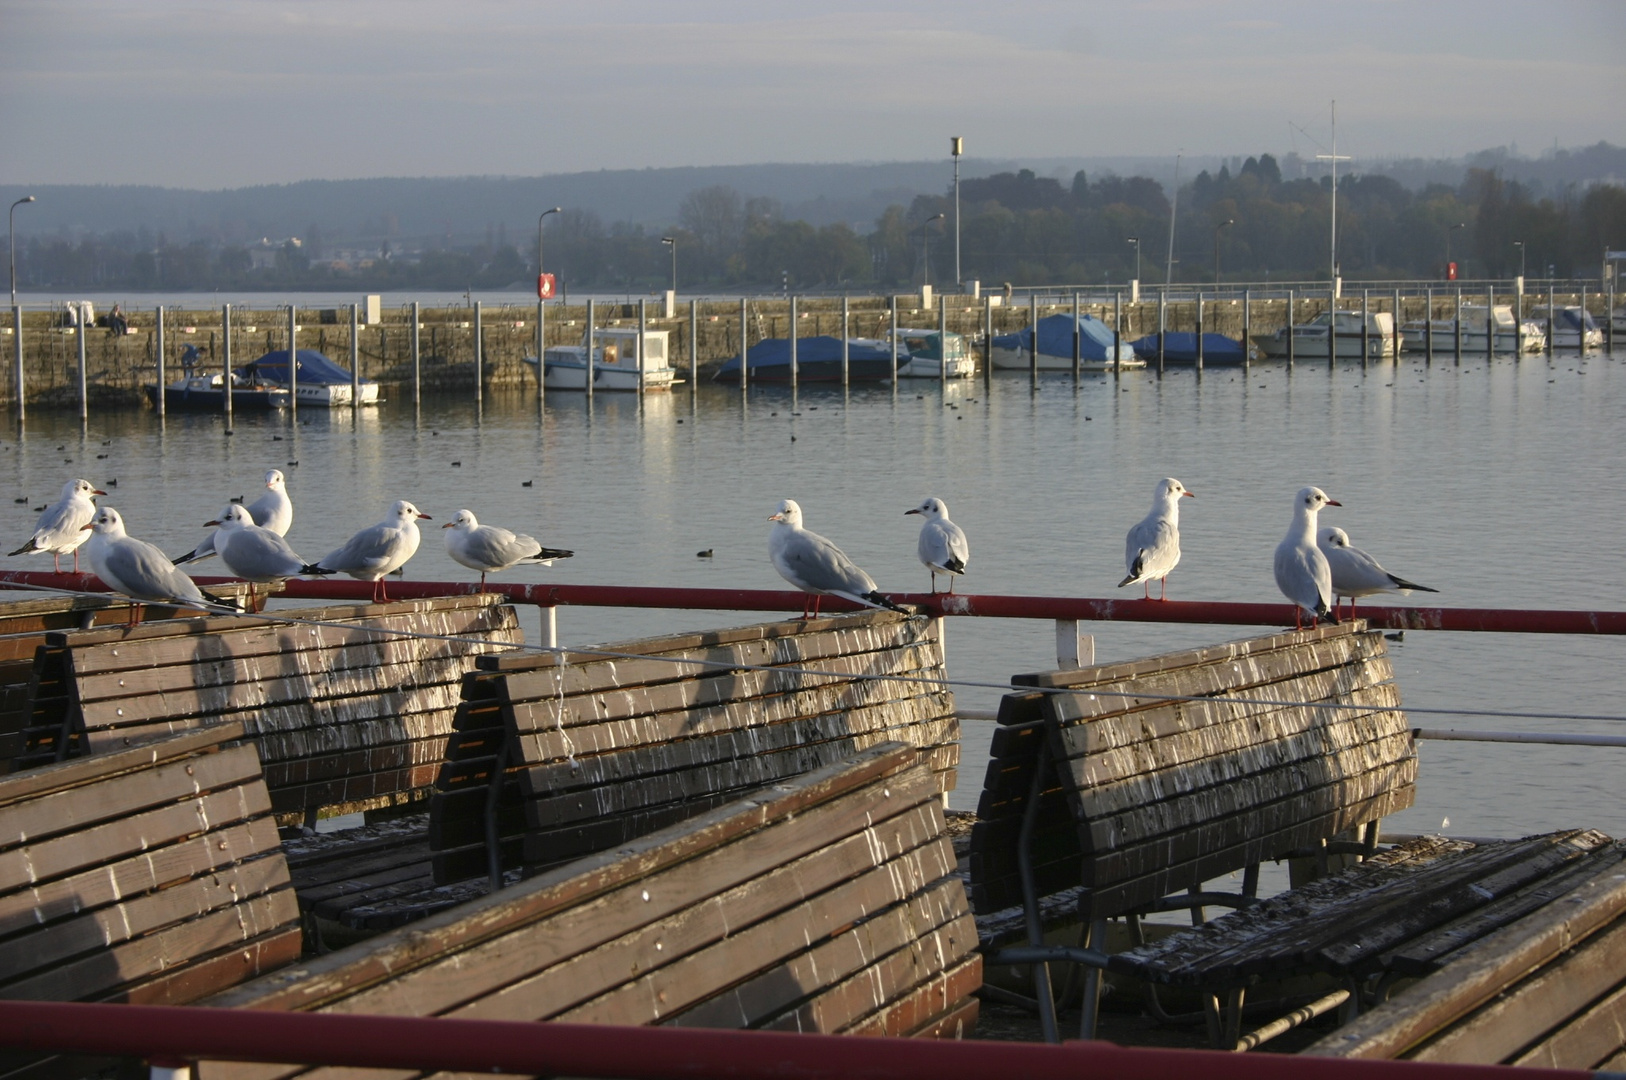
x,y
615,361
818,359
1569,324
930,350
1055,346
1529,336
1309,340
316,379
1180,347
207,393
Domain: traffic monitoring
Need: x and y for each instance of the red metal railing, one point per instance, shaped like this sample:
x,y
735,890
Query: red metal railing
x,y
172,1035
1491,620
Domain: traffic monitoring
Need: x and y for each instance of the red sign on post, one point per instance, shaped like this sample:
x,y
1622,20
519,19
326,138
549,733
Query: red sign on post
x,y
1450,271
544,286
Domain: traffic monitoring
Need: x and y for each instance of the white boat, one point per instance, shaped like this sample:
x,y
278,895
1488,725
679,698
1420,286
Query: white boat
x,y
1530,336
615,362
1056,338
1568,324
318,381
1310,339
929,351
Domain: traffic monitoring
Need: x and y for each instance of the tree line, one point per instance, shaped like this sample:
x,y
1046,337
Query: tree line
x,y
1015,227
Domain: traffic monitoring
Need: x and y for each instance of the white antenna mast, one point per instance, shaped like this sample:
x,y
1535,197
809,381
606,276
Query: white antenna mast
x,y
1335,159
1174,204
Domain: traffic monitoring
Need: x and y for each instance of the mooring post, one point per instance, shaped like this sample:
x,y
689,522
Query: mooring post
x,y
1078,345
1247,306
845,319
1552,299
1366,340
1490,322
1428,326
794,373
942,341
1117,333
1394,329
80,334
1199,320
293,366
1033,338
355,359
1290,334
225,360
1162,325
588,371
987,342
1332,328
639,357
417,360
541,350
479,358
158,359
1580,324
1456,328
694,347
892,336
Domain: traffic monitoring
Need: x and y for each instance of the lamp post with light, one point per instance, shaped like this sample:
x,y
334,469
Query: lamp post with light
x,y
925,252
17,312
1520,245
539,220
11,232
956,148
671,242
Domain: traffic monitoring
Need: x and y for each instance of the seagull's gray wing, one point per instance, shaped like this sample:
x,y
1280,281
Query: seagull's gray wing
x,y
260,555
1303,576
943,546
140,570
493,548
1151,549
369,551
813,563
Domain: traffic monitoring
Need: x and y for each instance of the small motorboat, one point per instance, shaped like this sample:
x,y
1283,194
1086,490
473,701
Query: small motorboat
x,y
1569,324
1528,336
1055,348
318,380
207,393
818,359
1309,340
615,362
928,352
1180,347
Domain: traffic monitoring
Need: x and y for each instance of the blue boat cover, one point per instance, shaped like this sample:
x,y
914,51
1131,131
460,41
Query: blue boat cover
x,y
313,368
824,349
1056,338
1180,347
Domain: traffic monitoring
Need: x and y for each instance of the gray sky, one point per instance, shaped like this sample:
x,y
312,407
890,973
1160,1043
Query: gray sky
x,y
225,93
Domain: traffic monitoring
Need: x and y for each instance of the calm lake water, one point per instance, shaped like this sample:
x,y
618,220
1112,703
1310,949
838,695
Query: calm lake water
x,y
1499,484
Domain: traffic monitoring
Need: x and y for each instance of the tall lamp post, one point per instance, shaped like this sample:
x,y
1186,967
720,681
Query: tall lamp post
x,y
1448,232
11,233
671,242
956,148
1520,245
539,218
1217,228
1136,241
925,253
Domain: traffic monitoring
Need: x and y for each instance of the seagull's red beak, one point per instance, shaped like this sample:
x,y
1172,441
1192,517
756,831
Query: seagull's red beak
x,y
1334,502
448,525
1189,494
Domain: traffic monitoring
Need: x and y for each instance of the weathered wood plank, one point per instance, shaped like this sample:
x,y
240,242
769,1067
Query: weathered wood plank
x,y
913,1015
1589,1040
1191,658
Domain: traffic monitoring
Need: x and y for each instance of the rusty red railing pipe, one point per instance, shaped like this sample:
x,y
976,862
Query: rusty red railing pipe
x,y
1491,620
172,1034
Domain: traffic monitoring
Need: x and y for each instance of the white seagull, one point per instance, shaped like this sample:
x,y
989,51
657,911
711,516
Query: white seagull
x,y
138,569
1302,572
942,543
274,510
61,528
1152,548
1355,573
255,553
378,549
488,548
815,565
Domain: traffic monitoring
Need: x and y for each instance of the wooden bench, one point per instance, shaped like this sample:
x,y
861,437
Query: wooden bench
x,y
590,751
822,903
150,875
1102,787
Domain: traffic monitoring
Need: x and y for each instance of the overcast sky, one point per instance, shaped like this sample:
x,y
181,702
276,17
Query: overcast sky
x,y
226,93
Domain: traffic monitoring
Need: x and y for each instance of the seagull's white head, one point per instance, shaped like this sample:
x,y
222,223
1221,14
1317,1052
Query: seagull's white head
x,y
463,521
80,489
274,480
407,513
790,513
1171,489
1310,500
233,517
106,522
1330,537
933,508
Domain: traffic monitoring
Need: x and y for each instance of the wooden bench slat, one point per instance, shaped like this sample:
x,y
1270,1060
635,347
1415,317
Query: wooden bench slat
x,y
60,776
1200,657
1588,1041
912,1016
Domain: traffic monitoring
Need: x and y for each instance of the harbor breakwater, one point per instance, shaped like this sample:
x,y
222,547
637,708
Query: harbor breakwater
x,y
118,366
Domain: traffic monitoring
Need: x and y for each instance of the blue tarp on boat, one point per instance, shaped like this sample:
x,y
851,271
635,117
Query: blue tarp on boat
x,y
818,359
1056,338
312,367
1180,347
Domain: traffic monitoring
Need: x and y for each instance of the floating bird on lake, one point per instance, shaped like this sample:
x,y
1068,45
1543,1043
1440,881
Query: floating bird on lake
x,y
61,528
378,549
138,569
255,553
1355,573
1152,548
274,510
943,546
815,565
487,548
1302,572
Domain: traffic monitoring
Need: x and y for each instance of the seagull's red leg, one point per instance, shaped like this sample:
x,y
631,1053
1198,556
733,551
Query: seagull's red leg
x,y
56,558
1163,588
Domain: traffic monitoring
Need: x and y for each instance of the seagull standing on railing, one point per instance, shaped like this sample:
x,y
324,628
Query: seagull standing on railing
x,y
138,569
1302,572
1355,573
1152,548
488,548
274,510
943,546
61,528
255,553
378,549
815,565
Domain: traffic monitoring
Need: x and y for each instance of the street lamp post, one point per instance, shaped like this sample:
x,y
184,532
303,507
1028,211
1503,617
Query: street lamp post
x,y
1448,232
1217,228
1520,245
956,148
1136,241
11,233
925,252
671,242
539,218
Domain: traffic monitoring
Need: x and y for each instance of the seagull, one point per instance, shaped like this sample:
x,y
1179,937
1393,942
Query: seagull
x,y
255,553
273,510
1355,573
942,543
138,569
487,548
1302,572
61,528
815,565
378,549
1152,548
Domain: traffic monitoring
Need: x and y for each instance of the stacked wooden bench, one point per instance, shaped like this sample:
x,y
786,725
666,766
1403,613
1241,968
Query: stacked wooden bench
x,y
557,757
149,875
825,902
1109,785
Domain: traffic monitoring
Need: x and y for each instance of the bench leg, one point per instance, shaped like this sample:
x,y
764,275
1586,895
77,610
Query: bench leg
x,y
1224,1021
1030,899
1250,880
1198,916
1091,1012
499,770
